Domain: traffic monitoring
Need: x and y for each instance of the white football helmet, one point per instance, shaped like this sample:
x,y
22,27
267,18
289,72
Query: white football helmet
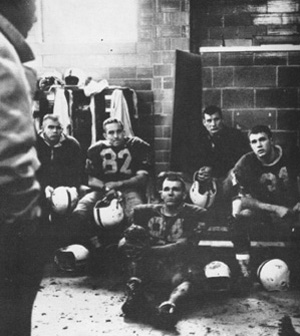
x,y
63,200
75,76
274,275
218,276
72,257
109,212
203,199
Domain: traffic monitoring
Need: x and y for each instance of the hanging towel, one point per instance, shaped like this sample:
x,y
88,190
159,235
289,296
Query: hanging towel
x,y
61,109
90,90
119,110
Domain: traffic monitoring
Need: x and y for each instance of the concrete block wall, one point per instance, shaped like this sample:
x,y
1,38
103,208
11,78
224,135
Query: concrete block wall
x,y
236,22
146,66
255,87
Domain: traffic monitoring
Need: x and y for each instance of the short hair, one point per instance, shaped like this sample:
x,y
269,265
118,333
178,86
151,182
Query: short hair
x,y
212,109
112,121
171,176
261,129
53,117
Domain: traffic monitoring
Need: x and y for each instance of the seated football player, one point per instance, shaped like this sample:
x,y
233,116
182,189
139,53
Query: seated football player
x,y
267,192
160,248
117,165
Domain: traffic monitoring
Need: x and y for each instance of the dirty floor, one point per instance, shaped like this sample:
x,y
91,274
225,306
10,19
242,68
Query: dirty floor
x,y
81,305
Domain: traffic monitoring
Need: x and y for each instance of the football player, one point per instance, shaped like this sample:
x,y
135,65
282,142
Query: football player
x,y
117,164
160,247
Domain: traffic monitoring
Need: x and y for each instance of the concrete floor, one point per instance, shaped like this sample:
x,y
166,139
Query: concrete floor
x,y
82,305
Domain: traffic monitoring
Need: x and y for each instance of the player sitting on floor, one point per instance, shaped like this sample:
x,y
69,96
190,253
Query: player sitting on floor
x,y
160,247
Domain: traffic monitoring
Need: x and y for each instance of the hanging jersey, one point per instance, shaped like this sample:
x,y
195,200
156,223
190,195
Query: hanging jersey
x,y
108,163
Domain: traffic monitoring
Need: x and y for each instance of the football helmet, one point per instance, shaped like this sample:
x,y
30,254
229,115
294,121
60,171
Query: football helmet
x,y
109,212
71,258
63,200
274,275
75,77
204,198
218,276
49,79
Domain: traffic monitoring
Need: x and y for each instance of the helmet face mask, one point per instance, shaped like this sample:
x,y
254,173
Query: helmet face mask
x,y
72,257
274,275
109,212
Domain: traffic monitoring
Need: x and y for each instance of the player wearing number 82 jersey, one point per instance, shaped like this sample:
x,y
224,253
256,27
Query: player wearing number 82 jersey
x,y
114,163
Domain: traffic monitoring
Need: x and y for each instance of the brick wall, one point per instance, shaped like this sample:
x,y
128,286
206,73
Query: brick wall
x,y
255,87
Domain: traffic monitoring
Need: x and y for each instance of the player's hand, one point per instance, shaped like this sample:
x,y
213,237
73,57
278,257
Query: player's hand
x,y
113,185
203,175
283,212
48,192
296,208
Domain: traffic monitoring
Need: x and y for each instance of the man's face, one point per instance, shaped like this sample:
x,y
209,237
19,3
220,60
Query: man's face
x,y
261,144
52,131
213,123
114,134
172,193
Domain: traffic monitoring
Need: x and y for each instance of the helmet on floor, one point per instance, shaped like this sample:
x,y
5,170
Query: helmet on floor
x,y
218,276
203,198
109,212
274,275
72,257
75,76
63,200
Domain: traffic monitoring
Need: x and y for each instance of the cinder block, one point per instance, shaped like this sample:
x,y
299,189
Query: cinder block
x,y
294,57
270,58
288,119
283,6
247,31
162,144
210,59
168,83
238,98
277,98
138,84
162,44
286,138
160,167
242,19
168,31
289,76
222,77
169,5
144,73
246,119
182,43
211,97
122,73
207,77
267,19
162,70
238,59
255,76
212,20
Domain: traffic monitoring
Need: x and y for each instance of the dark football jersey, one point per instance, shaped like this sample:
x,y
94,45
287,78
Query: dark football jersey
x,y
188,223
109,163
275,183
